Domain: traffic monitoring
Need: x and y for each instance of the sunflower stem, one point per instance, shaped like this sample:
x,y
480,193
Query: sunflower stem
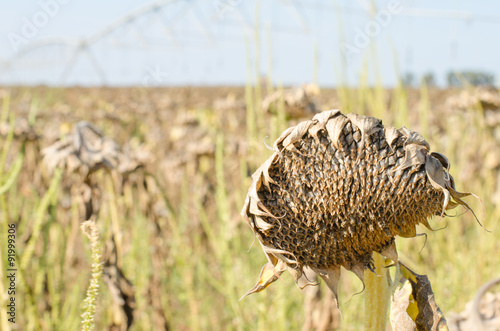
x,y
377,295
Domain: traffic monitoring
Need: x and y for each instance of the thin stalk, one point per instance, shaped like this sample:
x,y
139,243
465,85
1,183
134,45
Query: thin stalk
x,y
4,115
258,93
6,147
281,114
399,104
115,219
3,206
250,107
39,216
269,80
424,109
377,295
14,172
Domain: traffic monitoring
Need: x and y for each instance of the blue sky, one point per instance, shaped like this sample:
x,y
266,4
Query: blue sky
x,y
209,42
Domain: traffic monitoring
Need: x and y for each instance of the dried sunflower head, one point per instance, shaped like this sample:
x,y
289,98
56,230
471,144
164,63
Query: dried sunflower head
x,y
86,151
298,102
339,187
23,130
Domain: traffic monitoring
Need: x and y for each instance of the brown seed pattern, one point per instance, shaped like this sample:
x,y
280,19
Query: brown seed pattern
x,y
340,187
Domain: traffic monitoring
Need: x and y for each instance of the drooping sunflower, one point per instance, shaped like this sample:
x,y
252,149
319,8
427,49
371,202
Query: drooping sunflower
x,y
338,188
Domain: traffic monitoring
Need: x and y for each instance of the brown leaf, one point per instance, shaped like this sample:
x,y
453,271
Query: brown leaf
x,y
428,315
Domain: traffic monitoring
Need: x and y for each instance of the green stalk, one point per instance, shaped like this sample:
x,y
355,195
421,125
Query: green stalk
x,y
377,295
399,106
6,147
14,172
269,87
3,205
258,93
281,114
250,107
40,215
424,109
115,219
4,115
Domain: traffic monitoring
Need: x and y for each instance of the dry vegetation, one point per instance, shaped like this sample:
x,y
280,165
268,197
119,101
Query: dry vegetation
x,y
166,196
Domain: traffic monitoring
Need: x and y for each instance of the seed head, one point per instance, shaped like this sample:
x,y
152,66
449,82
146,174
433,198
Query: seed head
x,y
88,150
339,187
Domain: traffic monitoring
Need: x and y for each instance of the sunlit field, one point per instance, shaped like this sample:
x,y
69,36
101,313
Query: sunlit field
x,y
175,251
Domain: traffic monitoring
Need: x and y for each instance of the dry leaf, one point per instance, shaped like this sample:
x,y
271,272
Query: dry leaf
x,y
400,320
422,307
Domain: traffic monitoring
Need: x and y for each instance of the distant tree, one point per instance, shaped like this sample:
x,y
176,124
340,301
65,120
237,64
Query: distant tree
x,y
408,79
429,79
475,78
